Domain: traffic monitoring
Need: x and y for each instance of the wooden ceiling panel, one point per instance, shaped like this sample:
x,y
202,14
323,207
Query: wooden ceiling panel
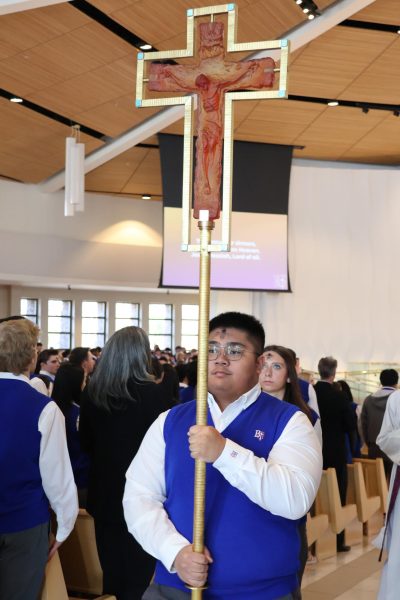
x,y
24,30
90,89
321,150
35,140
23,168
113,176
58,60
380,11
275,119
323,4
379,82
33,160
155,21
147,177
267,19
341,126
17,121
64,61
330,63
109,7
381,141
116,116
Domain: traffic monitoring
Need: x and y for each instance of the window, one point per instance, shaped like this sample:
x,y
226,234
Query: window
x,y
93,324
160,325
59,324
190,326
126,314
29,308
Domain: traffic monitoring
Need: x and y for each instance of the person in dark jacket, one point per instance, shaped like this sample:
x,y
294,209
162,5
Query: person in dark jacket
x,y
337,419
118,406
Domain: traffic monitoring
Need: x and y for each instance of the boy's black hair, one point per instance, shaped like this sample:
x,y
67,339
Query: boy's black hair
x,y
243,322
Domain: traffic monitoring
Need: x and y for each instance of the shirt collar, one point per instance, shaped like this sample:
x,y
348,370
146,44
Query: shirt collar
x,y
5,375
244,401
43,372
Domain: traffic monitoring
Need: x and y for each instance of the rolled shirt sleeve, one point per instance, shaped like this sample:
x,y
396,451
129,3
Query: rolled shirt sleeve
x,y
56,471
144,498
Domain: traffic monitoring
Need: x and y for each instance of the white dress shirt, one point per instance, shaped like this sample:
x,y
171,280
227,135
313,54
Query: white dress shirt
x,y
55,465
285,484
39,386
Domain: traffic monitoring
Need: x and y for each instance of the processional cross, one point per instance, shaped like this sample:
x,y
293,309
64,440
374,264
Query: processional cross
x,y
216,82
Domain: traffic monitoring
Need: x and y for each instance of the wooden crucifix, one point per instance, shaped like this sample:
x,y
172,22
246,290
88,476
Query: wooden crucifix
x,y
216,82
210,78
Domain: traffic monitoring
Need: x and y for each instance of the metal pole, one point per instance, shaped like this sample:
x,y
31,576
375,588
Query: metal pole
x,y
205,227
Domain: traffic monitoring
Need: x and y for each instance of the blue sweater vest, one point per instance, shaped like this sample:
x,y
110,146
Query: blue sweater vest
x,y
255,552
23,503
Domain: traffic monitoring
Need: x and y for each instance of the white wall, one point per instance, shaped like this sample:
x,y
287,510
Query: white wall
x,y
344,249
343,257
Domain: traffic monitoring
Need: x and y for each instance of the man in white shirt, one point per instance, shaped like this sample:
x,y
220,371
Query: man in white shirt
x,y
388,441
263,472
49,363
31,425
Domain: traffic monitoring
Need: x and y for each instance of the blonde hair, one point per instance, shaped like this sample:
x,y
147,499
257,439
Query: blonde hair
x,y
17,345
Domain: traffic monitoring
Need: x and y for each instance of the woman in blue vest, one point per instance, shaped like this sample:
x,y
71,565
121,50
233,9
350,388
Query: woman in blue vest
x,y
35,470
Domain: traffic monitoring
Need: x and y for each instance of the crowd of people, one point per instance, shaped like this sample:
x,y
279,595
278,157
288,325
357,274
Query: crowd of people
x,y
113,430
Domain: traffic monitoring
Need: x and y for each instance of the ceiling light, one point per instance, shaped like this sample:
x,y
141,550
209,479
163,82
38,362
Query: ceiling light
x,y
311,16
306,10
146,197
398,31
333,103
299,1
365,110
396,113
145,46
16,100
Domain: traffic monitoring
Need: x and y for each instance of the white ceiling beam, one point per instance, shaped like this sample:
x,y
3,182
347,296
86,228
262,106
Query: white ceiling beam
x,y
299,36
11,6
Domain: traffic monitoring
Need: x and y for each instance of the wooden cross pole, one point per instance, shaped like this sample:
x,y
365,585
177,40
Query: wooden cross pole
x,y
214,83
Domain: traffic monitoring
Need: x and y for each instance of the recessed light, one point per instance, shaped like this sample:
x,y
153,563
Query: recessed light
x,y
145,46
16,100
333,103
311,17
146,197
398,31
306,10
299,1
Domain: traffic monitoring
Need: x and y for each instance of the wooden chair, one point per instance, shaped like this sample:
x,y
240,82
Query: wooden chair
x,y
79,559
340,517
367,506
316,527
375,479
54,587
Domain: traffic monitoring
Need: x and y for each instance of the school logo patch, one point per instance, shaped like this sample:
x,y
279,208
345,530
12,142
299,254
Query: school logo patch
x,y
259,435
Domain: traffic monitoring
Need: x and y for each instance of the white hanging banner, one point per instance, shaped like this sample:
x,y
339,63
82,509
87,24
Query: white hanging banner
x,y
69,211
78,183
